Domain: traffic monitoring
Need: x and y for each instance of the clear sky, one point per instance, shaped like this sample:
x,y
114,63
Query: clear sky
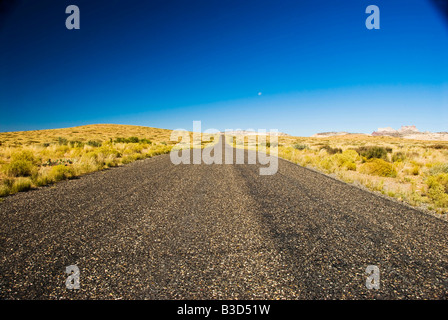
x,y
301,67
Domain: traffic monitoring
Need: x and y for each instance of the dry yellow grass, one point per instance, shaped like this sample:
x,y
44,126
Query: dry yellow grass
x,y
412,171
34,158
101,132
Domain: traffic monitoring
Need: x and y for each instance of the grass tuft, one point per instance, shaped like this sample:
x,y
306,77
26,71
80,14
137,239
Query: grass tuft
x,y
379,167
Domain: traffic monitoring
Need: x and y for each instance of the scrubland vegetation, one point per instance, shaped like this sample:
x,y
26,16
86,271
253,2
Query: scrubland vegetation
x,y
30,159
412,171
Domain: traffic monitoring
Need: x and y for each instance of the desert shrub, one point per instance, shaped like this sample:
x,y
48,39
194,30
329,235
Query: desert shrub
x,y
398,157
61,172
21,184
8,182
50,162
19,168
4,191
326,164
132,140
157,151
127,159
439,168
350,166
110,162
439,146
94,143
438,189
145,141
441,178
6,186
76,144
120,140
306,160
42,180
108,151
298,146
331,150
340,159
352,155
373,152
62,141
126,140
346,159
132,148
83,167
378,167
90,162
25,155
91,155
61,150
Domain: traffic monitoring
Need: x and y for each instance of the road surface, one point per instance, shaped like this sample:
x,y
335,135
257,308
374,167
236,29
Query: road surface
x,y
155,230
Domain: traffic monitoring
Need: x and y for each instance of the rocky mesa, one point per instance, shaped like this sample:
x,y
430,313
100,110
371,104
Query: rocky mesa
x,y
405,132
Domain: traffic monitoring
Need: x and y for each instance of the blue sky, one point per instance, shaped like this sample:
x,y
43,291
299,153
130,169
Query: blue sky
x,y
167,63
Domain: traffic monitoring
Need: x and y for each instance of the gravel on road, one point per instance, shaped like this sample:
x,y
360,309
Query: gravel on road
x,y
155,230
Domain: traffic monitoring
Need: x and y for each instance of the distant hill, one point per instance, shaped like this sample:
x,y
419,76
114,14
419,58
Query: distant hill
x,y
405,132
411,132
97,132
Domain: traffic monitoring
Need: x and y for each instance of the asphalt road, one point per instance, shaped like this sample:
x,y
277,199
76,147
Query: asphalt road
x,y
155,230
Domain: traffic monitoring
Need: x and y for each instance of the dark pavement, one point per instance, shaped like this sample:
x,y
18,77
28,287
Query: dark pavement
x,y
154,230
